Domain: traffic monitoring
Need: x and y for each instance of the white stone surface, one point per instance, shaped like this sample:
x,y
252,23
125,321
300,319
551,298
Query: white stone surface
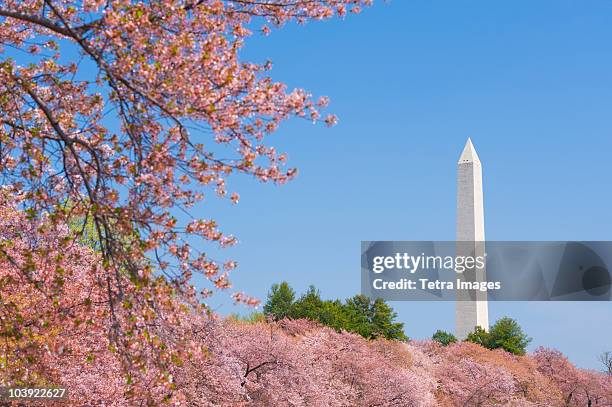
x,y
470,312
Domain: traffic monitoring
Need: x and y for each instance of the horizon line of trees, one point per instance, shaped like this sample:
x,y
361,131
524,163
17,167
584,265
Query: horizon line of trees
x,y
374,318
359,314
505,334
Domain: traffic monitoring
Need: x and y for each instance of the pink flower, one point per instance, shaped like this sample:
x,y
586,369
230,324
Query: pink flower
x,y
331,120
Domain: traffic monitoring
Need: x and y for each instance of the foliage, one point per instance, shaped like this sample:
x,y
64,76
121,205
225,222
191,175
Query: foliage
x,y
470,375
373,318
280,300
359,314
506,334
120,140
578,387
480,337
469,382
297,362
311,306
119,115
61,339
444,338
294,362
84,229
60,320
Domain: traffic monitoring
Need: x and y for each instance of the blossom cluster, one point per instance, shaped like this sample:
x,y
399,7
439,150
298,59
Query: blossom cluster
x,y
123,115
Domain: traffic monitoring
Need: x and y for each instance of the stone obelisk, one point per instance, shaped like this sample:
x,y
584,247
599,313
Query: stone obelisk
x,y
471,307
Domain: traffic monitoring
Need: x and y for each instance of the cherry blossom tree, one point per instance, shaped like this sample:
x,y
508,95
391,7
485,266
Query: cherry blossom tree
x,y
117,117
54,320
471,375
124,115
579,387
470,382
300,363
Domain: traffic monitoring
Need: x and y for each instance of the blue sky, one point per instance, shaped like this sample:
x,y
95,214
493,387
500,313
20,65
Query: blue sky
x,y
530,82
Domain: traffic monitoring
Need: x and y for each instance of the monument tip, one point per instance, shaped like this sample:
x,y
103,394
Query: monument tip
x,y
469,153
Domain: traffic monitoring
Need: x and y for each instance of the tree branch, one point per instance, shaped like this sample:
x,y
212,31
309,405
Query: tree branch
x,y
41,21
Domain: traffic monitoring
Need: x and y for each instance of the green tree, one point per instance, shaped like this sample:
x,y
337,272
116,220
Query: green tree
x,y
507,334
480,337
373,318
311,306
359,314
280,301
82,227
444,338
333,314
308,306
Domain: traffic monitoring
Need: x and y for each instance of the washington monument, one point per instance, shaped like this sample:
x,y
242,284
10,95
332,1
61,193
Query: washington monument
x,y
471,308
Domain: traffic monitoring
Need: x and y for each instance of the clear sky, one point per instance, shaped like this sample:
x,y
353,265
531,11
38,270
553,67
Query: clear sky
x,y
530,82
